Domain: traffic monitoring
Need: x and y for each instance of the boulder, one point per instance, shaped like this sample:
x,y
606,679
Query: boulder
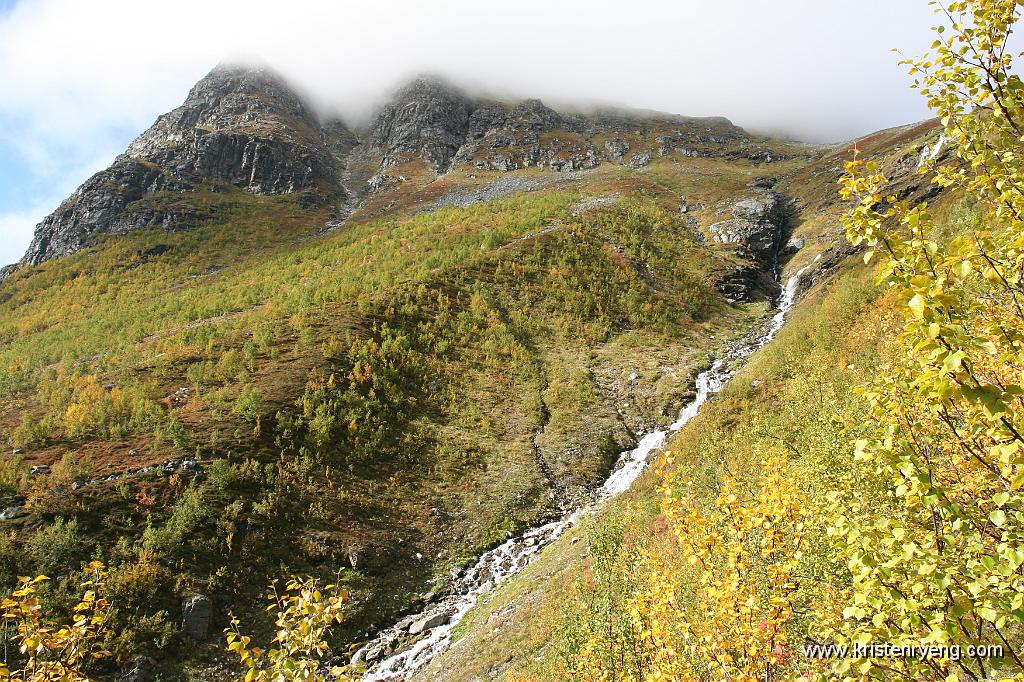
x,y
139,669
11,513
196,614
757,224
640,160
429,623
615,149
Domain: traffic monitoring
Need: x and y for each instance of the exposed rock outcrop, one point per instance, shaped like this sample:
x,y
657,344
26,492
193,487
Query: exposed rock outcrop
x,y
244,126
757,229
101,206
427,120
139,669
196,614
754,224
239,125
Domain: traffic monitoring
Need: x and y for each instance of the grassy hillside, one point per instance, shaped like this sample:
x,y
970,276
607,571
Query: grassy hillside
x,y
795,400
786,397
795,396
387,399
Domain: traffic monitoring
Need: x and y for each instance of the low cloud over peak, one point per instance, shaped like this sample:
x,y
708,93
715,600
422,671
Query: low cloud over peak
x,y
80,80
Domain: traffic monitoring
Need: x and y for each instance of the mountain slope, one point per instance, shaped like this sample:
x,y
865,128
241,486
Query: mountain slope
x,y
536,626
260,343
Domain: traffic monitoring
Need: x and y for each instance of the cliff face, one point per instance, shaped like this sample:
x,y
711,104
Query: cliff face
x,y
245,127
427,120
239,125
242,126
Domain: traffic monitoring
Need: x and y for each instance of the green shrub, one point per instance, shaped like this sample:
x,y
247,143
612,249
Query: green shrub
x,y
135,590
53,494
55,549
186,516
249,404
11,471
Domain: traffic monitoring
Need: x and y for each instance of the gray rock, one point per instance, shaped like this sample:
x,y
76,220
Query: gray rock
x,y
429,623
640,160
139,669
196,614
428,119
615,149
756,229
406,622
11,512
763,206
241,125
375,652
39,469
756,224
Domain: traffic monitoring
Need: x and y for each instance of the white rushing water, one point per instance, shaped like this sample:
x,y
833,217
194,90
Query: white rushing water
x,y
437,620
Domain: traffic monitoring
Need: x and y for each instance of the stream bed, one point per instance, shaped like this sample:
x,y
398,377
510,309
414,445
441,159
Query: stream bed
x,y
435,623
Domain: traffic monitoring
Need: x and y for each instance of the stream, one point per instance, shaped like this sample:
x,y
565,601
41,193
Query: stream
x,y
436,622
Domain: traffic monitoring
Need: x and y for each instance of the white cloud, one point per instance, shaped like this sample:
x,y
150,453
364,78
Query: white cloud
x,y
77,75
14,226
17,224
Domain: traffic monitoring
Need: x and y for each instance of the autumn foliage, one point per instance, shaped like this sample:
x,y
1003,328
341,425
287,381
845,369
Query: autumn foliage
x,y
304,611
47,651
938,557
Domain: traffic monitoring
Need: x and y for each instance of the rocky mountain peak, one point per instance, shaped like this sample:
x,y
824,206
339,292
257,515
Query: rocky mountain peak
x,y
535,116
427,86
243,125
239,125
427,119
235,98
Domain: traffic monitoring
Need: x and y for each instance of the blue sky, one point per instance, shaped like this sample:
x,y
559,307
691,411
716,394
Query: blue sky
x,y
81,80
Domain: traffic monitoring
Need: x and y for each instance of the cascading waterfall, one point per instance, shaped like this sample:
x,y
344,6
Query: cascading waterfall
x,y
437,621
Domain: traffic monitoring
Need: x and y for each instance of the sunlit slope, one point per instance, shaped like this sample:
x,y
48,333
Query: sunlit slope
x,y
537,626
388,398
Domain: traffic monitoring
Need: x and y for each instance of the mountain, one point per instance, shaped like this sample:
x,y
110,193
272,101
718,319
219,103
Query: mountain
x,y
239,125
262,343
798,395
245,127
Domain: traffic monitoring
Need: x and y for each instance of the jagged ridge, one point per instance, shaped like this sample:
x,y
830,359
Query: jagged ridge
x,y
244,126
